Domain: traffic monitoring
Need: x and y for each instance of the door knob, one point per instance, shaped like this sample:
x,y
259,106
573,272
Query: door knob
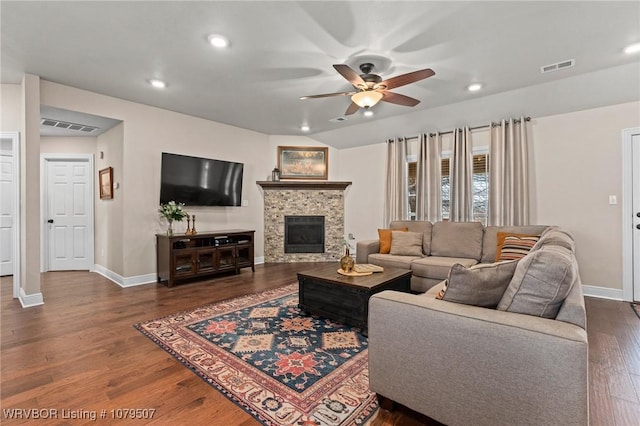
x,y
50,221
638,226
638,214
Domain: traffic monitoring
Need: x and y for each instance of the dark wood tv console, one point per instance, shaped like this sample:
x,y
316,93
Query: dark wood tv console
x,y
183,256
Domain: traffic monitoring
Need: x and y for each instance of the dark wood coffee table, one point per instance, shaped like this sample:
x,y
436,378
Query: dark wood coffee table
x,y
325,292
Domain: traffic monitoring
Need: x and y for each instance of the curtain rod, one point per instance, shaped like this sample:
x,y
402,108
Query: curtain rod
x,y
493,124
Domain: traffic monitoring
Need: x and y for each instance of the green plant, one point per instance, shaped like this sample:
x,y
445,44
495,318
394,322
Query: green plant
x,y
172,211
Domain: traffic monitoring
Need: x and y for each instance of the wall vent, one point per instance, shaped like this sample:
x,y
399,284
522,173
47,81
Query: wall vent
x,y
69,126
558,66
338,119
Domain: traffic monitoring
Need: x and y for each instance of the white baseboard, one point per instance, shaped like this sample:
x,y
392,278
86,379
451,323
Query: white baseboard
x,y
30,300
603,292
258,260
125,282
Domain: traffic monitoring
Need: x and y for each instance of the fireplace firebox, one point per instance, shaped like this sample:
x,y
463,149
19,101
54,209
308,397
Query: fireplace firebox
x,y
304,234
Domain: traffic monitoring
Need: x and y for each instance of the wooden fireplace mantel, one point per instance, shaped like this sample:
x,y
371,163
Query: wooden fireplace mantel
x,y
306,184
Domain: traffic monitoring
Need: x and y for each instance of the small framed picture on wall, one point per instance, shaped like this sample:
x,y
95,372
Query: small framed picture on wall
x,y
105,177
303,162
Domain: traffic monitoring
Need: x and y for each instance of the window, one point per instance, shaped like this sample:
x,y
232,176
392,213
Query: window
x,y
480,187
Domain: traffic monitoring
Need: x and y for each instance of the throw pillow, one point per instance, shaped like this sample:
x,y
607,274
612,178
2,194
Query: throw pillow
x,y
514,246
385,239
404,243
541,282
480,285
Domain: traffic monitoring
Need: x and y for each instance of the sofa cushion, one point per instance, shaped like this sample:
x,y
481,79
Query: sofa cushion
x,y
514,246
423,226
436,267
480,285
541,282
391,261
385,239
490,239
557,237
406,243
457,239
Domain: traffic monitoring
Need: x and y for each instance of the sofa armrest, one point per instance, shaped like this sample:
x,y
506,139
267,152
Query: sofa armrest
x,y
365,248
462,364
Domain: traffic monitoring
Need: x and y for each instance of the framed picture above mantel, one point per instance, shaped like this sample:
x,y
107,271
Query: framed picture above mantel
x,y
303,162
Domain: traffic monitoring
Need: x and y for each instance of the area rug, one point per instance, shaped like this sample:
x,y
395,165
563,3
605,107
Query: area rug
x,y
281,367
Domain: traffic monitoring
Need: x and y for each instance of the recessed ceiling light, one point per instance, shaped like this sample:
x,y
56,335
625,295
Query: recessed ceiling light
x,y
632,48
305,128
474,87
368,113
158,84
217,40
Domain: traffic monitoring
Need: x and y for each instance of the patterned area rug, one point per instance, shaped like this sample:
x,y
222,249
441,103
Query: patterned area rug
x,y
279,366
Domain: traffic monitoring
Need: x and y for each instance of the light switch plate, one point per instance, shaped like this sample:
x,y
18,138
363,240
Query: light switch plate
x,y
613,200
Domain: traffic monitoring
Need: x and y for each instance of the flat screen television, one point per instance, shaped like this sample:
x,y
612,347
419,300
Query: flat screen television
x,y
197,181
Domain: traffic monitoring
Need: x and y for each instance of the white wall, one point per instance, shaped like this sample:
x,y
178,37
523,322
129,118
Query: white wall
x,y
575,164
10,107
577,158
67,145
149,131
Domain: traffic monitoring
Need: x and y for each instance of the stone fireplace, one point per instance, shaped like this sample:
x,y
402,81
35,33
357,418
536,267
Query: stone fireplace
x,y
299,201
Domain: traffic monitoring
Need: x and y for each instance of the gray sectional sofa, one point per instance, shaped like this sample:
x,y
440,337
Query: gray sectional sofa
x,y
524,362
444,244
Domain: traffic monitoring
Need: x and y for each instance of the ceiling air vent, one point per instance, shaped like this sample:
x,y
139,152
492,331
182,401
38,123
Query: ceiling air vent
x,y
558,66
338,119
69,126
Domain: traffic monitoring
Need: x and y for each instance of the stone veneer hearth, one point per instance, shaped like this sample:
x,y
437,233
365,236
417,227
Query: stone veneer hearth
x,y
305,199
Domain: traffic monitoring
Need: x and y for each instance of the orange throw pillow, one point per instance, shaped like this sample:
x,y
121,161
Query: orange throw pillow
x,y
385,238
514,246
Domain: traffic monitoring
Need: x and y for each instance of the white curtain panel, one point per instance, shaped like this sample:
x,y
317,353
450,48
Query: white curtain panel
x,y
429,178
461,176
396,192
508,174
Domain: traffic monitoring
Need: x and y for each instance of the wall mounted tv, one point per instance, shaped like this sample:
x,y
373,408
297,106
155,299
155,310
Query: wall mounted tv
x,y
197,181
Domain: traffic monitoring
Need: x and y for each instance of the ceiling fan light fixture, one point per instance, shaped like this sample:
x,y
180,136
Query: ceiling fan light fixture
x,y
367,98
219,41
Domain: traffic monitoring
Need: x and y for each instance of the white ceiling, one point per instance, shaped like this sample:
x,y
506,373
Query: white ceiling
x,y
283,50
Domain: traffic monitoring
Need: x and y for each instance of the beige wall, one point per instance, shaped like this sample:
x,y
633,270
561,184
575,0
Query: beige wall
x,y
10,107
575,164
109,214
577,160
147,132
67,145
29,186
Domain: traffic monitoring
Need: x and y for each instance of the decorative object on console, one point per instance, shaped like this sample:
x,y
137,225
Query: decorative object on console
x,y
172,211
188,231
303,162
193,228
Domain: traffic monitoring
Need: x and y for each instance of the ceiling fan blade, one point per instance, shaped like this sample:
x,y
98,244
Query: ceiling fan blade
x,y
353,77
396,98
352,109
403,79
326,95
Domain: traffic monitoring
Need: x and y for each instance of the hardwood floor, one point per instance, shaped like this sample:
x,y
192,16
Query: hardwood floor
x,y
80,351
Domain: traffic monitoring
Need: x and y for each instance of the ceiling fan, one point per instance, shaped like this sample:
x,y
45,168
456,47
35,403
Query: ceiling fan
x,y
372,89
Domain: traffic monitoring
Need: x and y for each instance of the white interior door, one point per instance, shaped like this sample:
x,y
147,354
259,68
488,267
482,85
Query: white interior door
x,y
7,209
635,183
68,215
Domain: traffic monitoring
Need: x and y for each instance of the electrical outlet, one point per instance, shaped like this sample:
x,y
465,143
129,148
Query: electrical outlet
x,y
613,200
245,203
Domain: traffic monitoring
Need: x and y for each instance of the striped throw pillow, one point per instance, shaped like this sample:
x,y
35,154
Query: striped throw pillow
x,y
514,246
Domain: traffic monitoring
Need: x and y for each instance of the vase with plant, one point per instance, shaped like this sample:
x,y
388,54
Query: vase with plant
x,y
172,211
